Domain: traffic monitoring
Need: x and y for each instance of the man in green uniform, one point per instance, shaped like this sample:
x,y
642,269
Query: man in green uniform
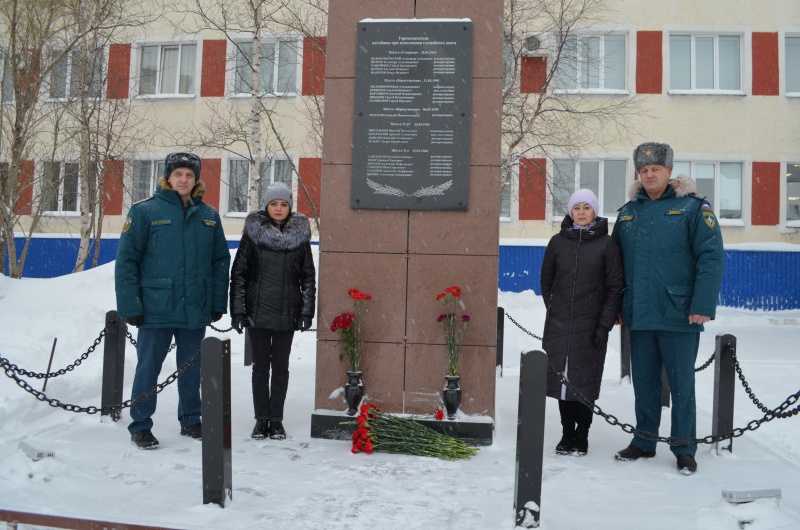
x,y
673,256
171,281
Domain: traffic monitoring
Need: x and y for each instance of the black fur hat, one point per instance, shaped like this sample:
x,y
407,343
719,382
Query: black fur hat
x,y
652,153
187,160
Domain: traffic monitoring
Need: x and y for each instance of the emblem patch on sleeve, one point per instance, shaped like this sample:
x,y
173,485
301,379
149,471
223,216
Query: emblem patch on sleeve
x,y
709,218
127,225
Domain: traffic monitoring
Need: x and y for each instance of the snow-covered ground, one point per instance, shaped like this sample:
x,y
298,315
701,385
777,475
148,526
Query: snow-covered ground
x,y
309,483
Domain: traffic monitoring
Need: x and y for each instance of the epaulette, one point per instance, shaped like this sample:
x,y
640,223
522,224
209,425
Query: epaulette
x,y
143,200
698,197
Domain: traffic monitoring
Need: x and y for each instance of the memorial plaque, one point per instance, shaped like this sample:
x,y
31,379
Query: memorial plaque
x,y
412,114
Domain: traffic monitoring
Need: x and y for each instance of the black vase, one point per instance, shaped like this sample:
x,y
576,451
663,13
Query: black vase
x,y
353,392
452,395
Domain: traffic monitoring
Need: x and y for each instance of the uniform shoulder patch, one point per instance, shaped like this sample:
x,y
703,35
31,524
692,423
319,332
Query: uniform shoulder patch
x,y
145,200
708,217
127,225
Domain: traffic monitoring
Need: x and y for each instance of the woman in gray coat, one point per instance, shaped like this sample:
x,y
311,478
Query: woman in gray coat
x,y
581,279
273,290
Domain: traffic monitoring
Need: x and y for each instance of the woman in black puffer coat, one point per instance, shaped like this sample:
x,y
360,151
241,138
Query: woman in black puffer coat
x,y
273,291
582,279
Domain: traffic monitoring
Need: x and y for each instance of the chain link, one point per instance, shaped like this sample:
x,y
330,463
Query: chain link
x,y
523,329
779,412
94,410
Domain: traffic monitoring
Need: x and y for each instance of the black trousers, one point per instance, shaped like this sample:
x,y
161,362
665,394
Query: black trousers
x,y
271,351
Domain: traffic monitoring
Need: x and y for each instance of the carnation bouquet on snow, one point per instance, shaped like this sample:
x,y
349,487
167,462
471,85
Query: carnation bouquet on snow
x,y
387,433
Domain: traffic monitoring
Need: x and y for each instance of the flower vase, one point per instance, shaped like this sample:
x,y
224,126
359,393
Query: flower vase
x,y
452,395
353,392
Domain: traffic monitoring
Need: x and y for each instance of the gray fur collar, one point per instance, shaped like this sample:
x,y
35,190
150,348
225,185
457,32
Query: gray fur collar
x,y
682,185
265,232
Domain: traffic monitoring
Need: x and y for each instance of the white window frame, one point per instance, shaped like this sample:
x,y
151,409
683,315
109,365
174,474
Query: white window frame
x,y
601,183
60,191
783,34
69,76
627,69
268,163
745,52
746,165
289,39
156,170
161,43
787,161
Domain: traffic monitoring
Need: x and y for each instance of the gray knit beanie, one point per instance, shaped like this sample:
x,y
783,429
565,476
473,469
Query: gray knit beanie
x,y
584,195
280,191
652,153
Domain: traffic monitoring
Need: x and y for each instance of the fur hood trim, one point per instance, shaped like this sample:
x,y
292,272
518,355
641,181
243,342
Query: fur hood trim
x,y
198,190
267,234
682,184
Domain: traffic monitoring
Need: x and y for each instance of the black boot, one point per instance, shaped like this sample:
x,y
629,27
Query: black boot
x,y
584,419
565,446
261,430
276,430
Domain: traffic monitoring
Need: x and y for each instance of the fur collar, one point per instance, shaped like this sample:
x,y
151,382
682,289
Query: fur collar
x,y
267,234
682,185
198,190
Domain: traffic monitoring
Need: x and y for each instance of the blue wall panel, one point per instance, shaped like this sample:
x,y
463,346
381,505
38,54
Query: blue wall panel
x,y
766,280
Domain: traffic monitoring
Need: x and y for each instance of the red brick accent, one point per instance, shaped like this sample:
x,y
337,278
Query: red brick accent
x,y
532,189
119,71
766,72
314,60
310,171
649,62
210,174
532,74
212,74
25,200
766,193
112,187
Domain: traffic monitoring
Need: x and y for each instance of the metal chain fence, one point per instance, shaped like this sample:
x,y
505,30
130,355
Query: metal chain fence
x,y
781,411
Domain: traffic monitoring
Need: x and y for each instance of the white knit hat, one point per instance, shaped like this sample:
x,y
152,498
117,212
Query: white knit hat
x,y
583,195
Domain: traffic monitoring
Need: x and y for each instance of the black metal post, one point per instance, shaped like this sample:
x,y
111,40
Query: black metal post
x,y
624,352
215,376
530,438
724,386
501,314
248,348
113,364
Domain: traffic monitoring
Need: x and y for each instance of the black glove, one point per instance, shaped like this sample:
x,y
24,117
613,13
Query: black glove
x,y
304,324
600,337
136,321
237,323
216,316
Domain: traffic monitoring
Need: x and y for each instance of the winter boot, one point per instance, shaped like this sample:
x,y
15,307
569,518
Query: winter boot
x,y
567,411
276,430
584,421
261,430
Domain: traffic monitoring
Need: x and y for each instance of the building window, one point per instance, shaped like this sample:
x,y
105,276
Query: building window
x,y
793,65
719,182
145,177
505,200
61,187
606,178
793,193
278,170
705,63
7,93
592,64
167,69
278,68
66,79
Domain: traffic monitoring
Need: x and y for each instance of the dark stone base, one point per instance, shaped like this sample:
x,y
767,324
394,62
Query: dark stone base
x,y
334,425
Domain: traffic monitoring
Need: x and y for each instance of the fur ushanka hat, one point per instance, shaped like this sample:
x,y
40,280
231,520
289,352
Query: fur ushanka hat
x,y
652,153
187,160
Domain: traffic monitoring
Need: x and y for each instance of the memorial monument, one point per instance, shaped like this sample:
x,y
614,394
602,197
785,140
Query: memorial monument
x,y
410,200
